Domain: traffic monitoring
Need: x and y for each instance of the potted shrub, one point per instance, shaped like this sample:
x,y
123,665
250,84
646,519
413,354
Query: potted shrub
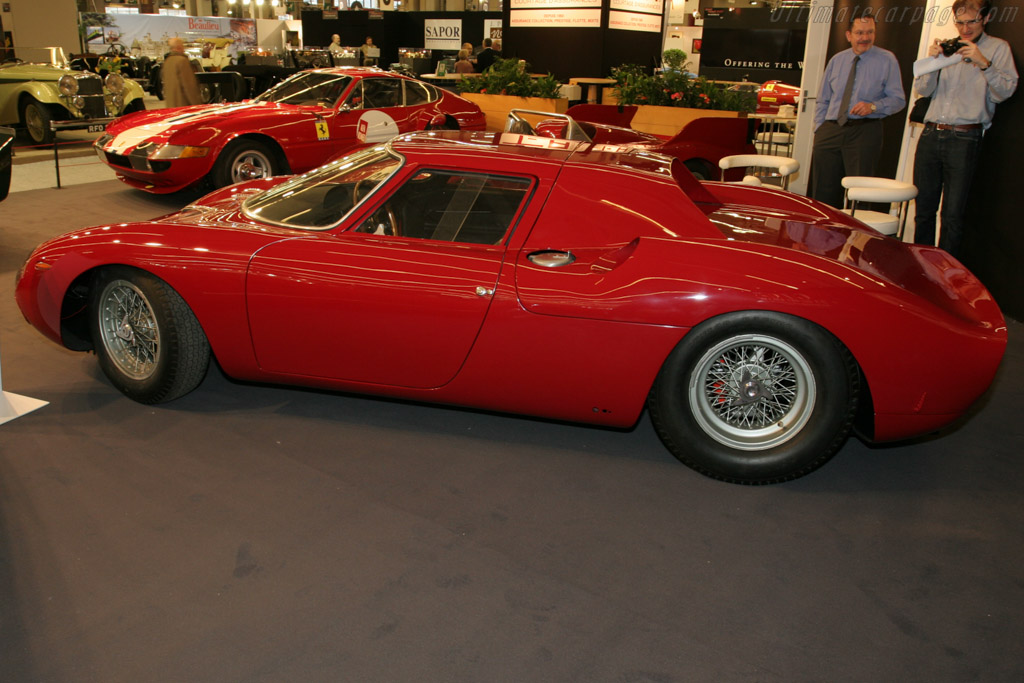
x,y
669,100
508,85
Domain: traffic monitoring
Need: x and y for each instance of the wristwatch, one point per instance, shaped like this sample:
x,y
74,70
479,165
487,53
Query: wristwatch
x,y
874,107
983,68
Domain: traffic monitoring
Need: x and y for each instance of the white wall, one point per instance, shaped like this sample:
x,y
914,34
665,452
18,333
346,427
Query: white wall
x,y
42,23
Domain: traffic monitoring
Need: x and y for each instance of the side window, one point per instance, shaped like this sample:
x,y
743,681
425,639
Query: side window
x,y
379,93
416,93
355,98
471,208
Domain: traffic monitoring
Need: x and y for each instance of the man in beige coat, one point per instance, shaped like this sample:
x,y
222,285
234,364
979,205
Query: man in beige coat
x,y
179,81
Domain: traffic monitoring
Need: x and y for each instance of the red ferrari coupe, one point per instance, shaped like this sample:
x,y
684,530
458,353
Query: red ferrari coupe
x,y
553,277
299,124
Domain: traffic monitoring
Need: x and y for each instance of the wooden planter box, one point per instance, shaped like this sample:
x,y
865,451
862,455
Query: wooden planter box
x,y
668,121
497,107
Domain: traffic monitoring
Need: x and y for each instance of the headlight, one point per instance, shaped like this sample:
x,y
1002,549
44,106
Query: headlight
x,y
78,102
118,102
115,83
103,140
179,152
68,85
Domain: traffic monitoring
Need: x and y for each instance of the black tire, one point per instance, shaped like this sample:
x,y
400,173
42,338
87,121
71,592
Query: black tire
x,y
149,343
700,169
755,398
135,105
35,117
449,124
243,160
5,183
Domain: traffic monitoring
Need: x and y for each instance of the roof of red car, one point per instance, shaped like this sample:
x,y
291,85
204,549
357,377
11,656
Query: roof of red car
x,y
362,71
537,150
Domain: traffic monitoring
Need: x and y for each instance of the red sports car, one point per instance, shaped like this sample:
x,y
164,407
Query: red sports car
x,y
773,94
299,124
699,145
551,277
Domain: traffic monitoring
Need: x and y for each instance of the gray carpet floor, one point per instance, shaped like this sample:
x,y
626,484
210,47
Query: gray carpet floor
x,y
259,533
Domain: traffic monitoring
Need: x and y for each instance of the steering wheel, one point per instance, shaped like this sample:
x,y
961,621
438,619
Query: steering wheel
x,y
392,221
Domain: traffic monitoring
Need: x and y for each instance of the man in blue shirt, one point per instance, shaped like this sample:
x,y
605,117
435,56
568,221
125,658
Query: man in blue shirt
x,y
860,87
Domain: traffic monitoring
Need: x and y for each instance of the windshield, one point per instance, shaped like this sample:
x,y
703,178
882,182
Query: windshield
x,y
322,198
308,87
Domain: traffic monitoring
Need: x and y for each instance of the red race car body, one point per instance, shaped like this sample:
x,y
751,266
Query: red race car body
x,y
299,124
773,94
699,145
552,277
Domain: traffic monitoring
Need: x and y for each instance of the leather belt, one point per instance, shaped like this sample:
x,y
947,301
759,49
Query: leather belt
x,y
948,126
854,122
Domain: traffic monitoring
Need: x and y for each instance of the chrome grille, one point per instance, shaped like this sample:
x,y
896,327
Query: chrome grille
x,y
89,84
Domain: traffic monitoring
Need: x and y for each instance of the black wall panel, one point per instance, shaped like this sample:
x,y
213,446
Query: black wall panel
x,y
994,241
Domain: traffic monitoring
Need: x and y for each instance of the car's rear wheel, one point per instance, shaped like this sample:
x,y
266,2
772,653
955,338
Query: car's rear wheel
x,y
244,160
755,398
149,343
36,119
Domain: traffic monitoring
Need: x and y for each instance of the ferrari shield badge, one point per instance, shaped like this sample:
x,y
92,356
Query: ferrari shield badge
x,y
322,132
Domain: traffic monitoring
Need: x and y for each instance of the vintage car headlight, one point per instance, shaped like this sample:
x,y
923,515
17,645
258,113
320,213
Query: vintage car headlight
x,y
68,85
179,152
78,102
117,101
115,83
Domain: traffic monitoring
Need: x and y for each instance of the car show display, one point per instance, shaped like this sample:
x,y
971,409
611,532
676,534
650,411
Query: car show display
x,y
32,95
541,272
295,126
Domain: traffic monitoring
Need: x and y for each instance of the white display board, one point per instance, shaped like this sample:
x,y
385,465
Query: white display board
x,y
442,34
555,18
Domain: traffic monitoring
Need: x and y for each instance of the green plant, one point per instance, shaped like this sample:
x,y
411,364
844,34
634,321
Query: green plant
x,y
674,87
510,77
674,60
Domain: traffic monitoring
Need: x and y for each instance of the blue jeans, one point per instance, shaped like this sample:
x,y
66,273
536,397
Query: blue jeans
x,y
943,169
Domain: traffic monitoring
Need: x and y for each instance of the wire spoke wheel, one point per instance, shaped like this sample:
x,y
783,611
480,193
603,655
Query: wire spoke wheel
x,y
752,392
755,397
147,339
129,330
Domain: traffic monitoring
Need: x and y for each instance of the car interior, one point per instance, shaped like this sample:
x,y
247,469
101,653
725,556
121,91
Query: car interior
x,y
470,208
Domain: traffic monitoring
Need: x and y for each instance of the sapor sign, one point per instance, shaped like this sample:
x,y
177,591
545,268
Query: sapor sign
x,y
442,34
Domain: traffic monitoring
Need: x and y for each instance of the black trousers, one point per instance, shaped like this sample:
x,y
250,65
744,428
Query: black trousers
x,y
839,151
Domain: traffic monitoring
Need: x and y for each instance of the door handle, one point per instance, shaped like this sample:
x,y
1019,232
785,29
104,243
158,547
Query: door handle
x,y
483,291
551,258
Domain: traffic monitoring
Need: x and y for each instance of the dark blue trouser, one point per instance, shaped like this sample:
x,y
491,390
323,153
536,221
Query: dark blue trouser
x,y
943,169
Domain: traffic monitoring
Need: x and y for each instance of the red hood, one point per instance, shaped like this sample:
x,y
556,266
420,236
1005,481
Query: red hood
x,y
160,124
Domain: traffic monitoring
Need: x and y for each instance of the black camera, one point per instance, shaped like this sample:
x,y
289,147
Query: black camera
x,y
949,47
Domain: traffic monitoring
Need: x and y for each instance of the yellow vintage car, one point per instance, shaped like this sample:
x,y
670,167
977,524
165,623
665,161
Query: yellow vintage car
x,y
34,94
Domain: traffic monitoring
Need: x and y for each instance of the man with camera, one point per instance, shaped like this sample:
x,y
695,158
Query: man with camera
x,y
859,88
964,97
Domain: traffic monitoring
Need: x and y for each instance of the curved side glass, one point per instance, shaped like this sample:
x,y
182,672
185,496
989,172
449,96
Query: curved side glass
x,y
322,198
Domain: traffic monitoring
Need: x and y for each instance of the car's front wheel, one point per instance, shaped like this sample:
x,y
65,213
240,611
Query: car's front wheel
x,y
36,119
243,160
755,398
149,343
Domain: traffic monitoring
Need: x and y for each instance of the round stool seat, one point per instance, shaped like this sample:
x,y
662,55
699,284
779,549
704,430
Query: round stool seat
x,y
885,223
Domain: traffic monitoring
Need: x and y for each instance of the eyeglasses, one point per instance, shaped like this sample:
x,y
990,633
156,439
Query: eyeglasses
x,y
968,22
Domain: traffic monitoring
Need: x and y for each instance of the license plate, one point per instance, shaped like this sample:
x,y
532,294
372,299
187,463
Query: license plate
x,y
97,127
